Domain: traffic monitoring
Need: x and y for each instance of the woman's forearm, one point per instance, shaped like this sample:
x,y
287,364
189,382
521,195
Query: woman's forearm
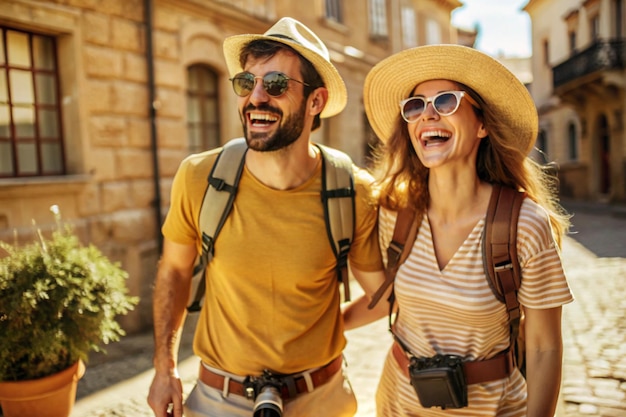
x,y
543,376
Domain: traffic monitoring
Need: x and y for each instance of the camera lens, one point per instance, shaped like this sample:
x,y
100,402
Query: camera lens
x,y
268,403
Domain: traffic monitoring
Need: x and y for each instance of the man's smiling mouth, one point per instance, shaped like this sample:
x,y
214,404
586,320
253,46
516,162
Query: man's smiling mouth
x,y
261,119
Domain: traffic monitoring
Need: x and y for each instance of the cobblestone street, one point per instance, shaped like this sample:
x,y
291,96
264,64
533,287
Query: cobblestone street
x,y
594,326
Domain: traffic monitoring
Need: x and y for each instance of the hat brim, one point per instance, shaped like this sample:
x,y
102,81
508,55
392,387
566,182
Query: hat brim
x,y
394,78
337,92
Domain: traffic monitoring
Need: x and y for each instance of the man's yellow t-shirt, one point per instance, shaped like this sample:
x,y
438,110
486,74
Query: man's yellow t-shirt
x,y
272,298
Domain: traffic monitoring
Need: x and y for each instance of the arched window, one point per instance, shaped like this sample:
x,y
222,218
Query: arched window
x,y
202,109
572,139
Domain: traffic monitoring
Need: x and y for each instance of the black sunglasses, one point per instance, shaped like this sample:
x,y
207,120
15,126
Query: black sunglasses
x,y
274,83
445,104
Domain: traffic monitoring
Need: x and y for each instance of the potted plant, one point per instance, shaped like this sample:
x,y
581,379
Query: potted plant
x,y
59,301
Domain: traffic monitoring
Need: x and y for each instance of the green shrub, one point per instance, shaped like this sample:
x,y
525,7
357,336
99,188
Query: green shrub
x,y
58,301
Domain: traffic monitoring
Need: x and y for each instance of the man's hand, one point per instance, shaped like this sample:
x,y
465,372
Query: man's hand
x,y
166,395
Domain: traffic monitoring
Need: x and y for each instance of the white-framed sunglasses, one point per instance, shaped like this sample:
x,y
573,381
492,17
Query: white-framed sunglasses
x,y
445,104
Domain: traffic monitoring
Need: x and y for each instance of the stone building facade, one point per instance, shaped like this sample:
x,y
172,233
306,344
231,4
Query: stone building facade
x,y
100,100
579,86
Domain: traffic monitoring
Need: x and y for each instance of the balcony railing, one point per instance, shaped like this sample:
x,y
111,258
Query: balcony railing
x,y
601,56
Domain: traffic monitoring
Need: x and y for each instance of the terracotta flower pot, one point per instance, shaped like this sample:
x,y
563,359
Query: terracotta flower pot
x,y
51,396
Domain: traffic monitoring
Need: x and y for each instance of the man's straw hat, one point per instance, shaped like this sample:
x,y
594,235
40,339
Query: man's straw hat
x,y
394,78
294,34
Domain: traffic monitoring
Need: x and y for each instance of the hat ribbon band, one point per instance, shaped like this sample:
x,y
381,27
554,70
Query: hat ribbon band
x,y
284,37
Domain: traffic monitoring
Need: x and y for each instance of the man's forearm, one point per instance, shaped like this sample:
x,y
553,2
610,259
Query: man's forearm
x,y
169,309
357,313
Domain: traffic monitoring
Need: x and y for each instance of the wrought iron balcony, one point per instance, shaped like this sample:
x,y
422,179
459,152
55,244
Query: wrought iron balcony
x,y
603,55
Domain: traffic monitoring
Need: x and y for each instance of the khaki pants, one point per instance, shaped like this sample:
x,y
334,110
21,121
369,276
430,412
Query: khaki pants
x,y
333,399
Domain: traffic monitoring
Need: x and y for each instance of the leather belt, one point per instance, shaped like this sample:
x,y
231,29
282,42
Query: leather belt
x,y
316,378
476,372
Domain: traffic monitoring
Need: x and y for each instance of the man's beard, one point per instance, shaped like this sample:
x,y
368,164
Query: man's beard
x,y
287,133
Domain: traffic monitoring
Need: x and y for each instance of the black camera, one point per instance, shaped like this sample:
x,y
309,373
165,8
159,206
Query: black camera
x,y
265,390
439,381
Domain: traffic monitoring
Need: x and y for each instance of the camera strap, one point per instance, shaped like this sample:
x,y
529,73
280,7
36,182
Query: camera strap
x,y
400,343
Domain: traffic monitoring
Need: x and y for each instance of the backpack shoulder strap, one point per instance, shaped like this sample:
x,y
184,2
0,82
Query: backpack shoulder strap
x,y
500,259
339,207
500,246
404,234
216,205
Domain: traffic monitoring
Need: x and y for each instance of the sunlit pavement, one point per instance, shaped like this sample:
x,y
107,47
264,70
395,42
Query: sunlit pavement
x,y
594,336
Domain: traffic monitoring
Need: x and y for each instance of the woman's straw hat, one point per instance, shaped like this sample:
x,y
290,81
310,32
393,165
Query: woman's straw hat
x,y
394,78
294,34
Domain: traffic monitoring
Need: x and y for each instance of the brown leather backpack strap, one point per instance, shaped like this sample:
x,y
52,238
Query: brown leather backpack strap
x,y
500,246
501,262
405,231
